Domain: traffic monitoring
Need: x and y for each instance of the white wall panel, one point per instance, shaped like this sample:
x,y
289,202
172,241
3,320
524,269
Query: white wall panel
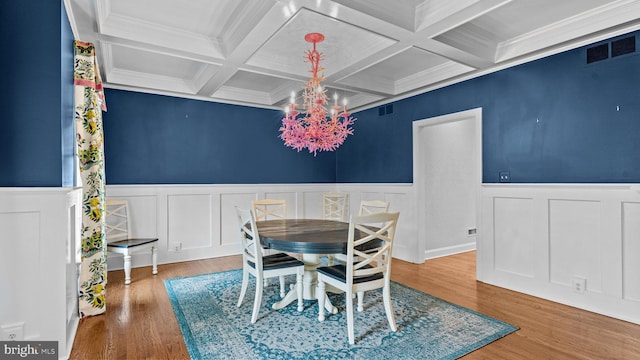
x,y
313,202
229,234
39,240
19,241
289,196
631,251
203,219
513,235
574,242
591,231
189,220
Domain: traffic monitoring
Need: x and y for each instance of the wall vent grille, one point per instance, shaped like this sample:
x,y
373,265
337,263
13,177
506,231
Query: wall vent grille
x,y
597,53
385,110
623,46
618,47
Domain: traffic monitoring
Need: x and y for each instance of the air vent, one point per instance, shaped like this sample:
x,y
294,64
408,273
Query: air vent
x,y
389,109
623,46
385,110
597,53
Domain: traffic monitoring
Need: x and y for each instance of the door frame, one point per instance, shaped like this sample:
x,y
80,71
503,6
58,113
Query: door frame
x,y
420,126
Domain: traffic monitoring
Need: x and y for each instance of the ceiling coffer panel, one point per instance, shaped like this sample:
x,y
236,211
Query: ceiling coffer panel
x,y
344,44
251,52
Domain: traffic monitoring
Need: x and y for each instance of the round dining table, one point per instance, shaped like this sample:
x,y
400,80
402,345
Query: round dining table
x,y
311,238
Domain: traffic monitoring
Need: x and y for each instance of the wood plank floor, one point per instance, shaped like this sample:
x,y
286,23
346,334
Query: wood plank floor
x,y
139,322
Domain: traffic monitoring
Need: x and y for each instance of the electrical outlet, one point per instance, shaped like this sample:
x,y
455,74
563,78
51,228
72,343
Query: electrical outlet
x,y
175,246
13,332
471,231
579,284
504,177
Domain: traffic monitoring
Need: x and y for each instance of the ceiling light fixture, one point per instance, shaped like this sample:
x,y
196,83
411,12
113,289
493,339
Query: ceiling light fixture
x,y
320,126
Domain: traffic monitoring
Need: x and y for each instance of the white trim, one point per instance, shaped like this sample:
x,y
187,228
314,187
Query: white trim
x,y
583,41
473,115
449,250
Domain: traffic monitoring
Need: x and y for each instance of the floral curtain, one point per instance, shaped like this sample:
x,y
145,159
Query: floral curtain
x,y
89,104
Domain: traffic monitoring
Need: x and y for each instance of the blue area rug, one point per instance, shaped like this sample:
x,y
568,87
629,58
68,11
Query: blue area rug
x,y
428,327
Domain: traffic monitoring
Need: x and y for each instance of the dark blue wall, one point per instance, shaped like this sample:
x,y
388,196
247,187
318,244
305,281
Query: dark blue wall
x,y
68,131
31,96
154,139
554,120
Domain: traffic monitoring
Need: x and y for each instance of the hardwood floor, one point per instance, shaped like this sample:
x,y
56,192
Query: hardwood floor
x,y
139,322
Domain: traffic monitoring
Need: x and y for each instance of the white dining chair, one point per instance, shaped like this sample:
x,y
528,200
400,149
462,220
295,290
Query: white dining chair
x,y
270,209
368,265
118,237
373,206
367,207
261,266
334,207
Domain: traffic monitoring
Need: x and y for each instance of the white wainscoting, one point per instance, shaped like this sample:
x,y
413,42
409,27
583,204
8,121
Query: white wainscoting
x,y
535,239
542,239
39,260
198,221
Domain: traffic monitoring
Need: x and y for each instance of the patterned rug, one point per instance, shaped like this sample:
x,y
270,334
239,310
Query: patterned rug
x,y
428,327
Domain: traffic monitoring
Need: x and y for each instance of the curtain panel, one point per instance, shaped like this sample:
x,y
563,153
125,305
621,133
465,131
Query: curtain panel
x,y
89,104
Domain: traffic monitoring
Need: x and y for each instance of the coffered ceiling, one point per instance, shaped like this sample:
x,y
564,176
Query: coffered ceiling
x,y
251,52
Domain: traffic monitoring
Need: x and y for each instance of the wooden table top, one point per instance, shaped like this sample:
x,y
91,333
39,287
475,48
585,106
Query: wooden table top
x,y
305,236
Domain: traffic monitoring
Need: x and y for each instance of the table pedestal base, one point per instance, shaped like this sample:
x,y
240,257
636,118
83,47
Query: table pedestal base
x,y
309,283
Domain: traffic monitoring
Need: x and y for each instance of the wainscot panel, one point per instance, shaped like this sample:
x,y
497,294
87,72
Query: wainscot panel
x,y
198,221
40,251
570,243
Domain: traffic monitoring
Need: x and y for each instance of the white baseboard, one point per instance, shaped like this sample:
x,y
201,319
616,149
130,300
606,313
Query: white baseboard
x,y
449,250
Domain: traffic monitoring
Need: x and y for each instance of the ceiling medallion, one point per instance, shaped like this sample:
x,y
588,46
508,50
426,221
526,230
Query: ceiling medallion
x,y
318,126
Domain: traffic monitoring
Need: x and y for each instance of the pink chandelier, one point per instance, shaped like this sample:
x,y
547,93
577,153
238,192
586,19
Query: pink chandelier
x,y
316,127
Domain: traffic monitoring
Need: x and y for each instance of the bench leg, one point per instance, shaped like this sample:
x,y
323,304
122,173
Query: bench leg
x,y
154,260
127,269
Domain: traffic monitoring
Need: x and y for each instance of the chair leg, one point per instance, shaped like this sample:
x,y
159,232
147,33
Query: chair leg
x,y
282,287
320,294
360,300
127,269
266,282
257,301
386,296
154,260
245,284
349,301
299,290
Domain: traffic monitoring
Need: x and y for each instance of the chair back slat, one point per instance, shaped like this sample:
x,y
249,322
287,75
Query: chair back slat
x,y
334,206
370,244
117,220
249,238
269,209
373,206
